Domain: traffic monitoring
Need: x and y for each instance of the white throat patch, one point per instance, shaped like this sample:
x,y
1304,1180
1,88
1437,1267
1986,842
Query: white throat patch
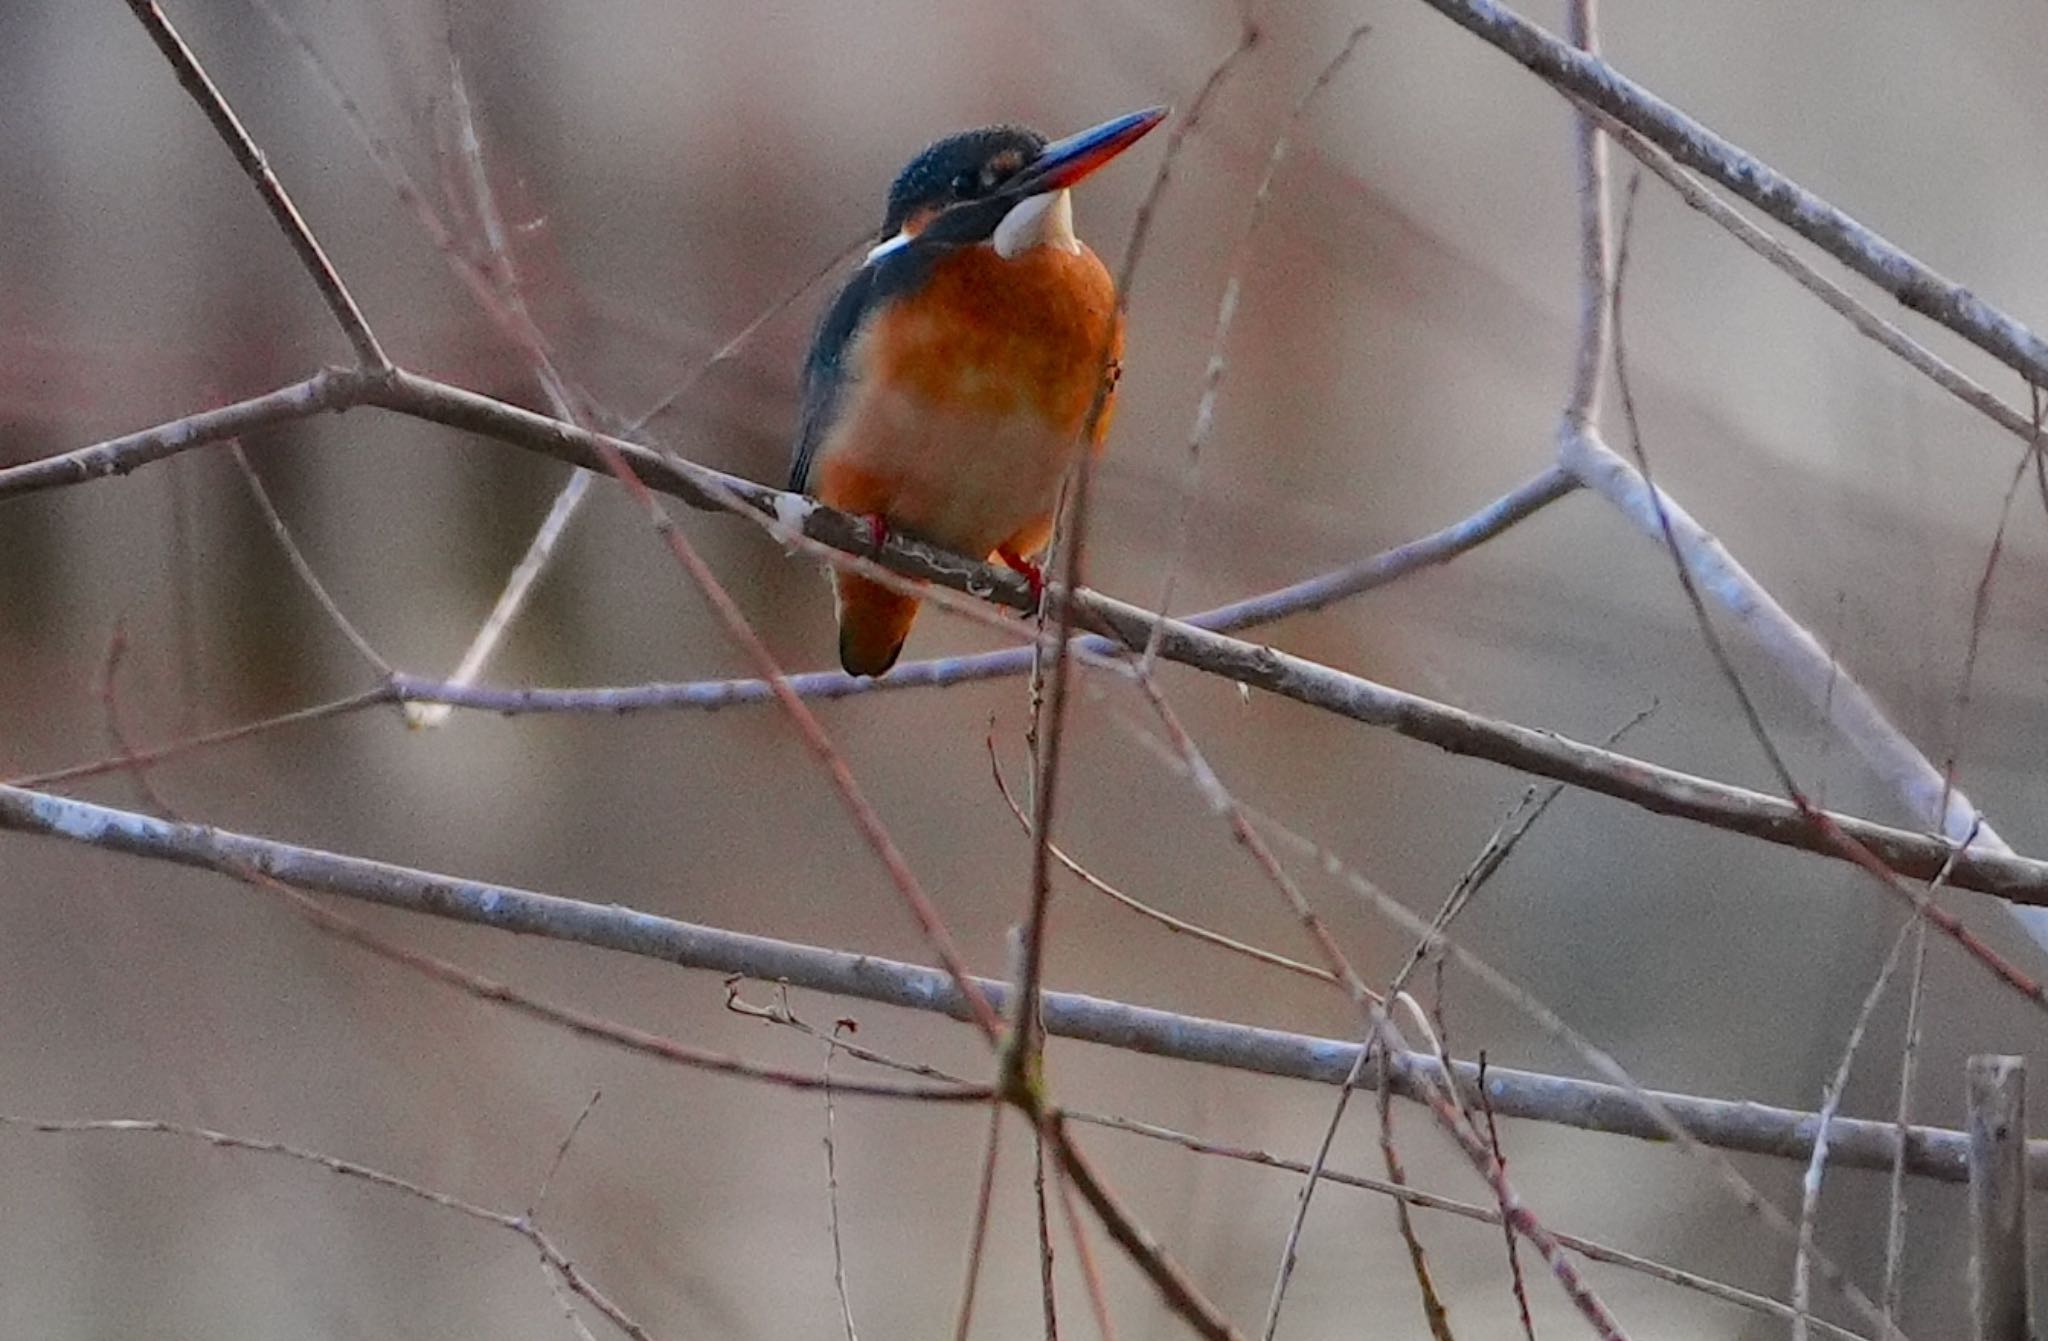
x,y
894,244
1040,221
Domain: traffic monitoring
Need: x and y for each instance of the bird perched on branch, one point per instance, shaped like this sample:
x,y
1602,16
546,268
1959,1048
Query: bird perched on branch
x,y
950,382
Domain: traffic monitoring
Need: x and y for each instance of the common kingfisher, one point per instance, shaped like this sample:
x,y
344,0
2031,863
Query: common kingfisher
x,y
949,384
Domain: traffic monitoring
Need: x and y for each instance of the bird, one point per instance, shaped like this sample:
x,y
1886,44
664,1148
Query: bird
x,y
951,380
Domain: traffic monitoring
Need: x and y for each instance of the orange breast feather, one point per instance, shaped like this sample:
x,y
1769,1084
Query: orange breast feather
x,y
1003,337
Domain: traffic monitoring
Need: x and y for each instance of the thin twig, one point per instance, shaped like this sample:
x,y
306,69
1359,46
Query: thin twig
x,y
522,1225
1493,855
1249,838
1909,1057
1048,1296
1434,1313
832,1191
1049,710
502,277
977,1234
1520,1287
1290,1247
1084,1252
1174,924
547,1180
1219,337
1980,603
1830,1105
274,520
193,77
117,733
1835,297
156,754
1173,1285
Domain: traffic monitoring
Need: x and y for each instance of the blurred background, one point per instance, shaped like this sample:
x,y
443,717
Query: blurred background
x,y
668,171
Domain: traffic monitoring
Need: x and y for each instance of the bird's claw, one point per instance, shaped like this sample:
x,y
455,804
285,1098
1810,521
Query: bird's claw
x,y
1033,575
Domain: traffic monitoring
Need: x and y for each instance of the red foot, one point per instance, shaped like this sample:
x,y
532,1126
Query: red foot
x,y
1033,575
878,530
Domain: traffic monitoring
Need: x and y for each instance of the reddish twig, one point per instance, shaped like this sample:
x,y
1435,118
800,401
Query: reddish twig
x,y
977,1234
1178,925
1434,1313
1521,1288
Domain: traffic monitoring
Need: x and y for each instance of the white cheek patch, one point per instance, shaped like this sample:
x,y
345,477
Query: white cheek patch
x,y
1040,221
889,248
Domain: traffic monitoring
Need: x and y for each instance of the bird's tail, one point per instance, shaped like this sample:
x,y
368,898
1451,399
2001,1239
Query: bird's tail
x,y
873,623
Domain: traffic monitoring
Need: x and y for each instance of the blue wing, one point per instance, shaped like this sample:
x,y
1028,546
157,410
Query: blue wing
x,y
825,370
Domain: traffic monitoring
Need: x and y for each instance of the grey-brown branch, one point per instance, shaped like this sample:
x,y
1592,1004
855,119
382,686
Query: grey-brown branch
x,y
1931,1152
1653,787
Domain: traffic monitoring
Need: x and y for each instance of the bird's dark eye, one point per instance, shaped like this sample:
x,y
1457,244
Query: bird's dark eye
x,y
966,182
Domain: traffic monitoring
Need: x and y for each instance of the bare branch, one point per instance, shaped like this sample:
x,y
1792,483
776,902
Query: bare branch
x,y
1909,1058
1598,1252
229,127
1748,1127
1596,318
1048,1297
1180,1293
977,1236
1836,298
328,389
339,707
1547,754
1303,597
1591,79
1998,1199
1519,1286
1830,1104
1433,1311
521,1225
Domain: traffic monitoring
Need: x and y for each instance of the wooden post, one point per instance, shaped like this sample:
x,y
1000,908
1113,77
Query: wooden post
x,y
1998,1198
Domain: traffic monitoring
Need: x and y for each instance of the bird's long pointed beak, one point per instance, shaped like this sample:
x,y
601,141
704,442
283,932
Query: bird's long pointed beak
x,y
1067,161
